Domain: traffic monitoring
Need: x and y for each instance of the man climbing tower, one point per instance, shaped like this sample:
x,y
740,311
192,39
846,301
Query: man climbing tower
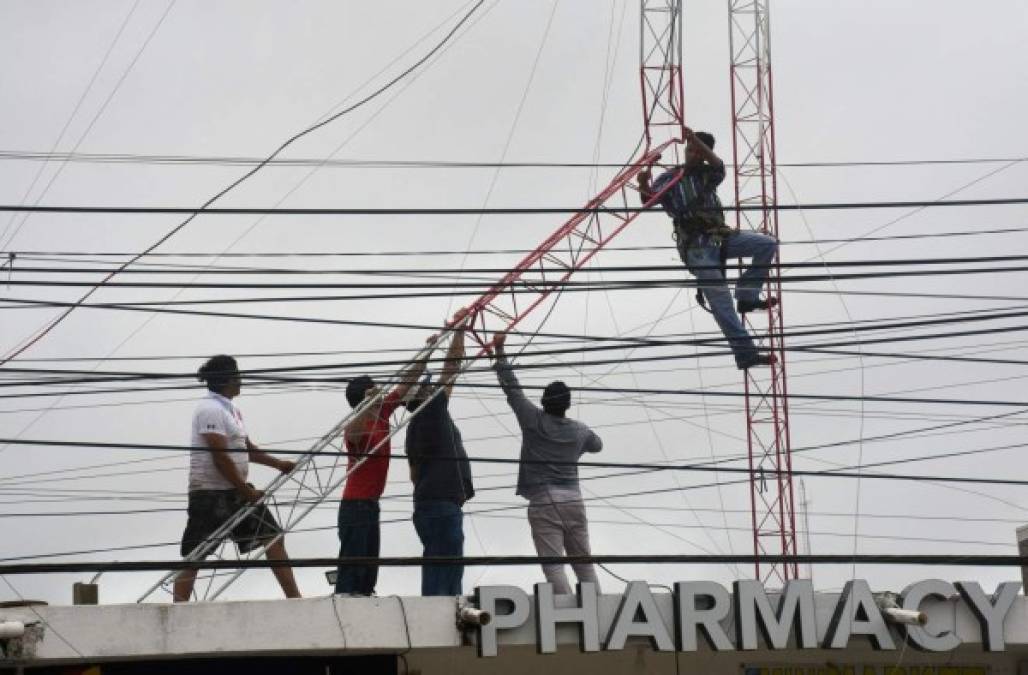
x,y
705,242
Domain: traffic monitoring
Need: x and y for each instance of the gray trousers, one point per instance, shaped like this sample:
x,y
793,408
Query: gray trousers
x,y
556,515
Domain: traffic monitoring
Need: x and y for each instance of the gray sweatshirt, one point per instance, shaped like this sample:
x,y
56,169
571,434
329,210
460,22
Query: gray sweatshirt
x,y
545,438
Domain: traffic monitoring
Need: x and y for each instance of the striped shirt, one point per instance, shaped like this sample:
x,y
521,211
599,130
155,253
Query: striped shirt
x,y
694,196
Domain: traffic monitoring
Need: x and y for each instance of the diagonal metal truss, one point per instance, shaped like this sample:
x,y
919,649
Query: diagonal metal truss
x,y
321,472
767,408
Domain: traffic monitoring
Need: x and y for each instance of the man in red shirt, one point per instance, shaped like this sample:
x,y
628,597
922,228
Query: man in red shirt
x,y
368,448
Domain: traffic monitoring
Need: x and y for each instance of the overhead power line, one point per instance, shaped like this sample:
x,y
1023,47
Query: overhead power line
x,y
471,513
270,376
474,211
95,118
472,561
693,467
192,213
528,285
476,252
558,339
278,389
635,391
236,160
163,269
605,343
19,482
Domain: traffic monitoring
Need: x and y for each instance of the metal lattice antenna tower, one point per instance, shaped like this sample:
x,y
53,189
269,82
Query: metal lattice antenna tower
x,y
767,410
320,472
660,69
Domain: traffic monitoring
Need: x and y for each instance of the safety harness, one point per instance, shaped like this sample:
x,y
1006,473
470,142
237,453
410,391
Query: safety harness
x,y
688,229
679,202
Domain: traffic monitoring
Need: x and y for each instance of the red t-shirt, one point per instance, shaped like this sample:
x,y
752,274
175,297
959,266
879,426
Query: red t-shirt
x,y
368,481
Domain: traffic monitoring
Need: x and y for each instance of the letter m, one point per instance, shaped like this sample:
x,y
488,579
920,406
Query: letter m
x,y
795,613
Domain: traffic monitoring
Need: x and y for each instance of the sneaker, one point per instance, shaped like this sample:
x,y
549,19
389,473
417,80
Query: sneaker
x,y
744,306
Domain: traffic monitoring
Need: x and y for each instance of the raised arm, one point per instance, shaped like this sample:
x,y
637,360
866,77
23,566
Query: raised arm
x,y
408,377
516,398
702,151
412,373
645,191
455,354
645,177
701,163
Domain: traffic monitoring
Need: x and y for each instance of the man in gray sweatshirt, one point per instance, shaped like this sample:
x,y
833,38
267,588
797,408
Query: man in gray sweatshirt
x,y
556,512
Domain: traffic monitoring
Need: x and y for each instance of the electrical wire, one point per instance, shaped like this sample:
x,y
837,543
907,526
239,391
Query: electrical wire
x,y
919,432
92,376
965,560
921,207
983,348
330,506
141,270
441,271
523,286
700,468
473,211
236,160
324,118
191,214
480,514
92,122
491,252
480,511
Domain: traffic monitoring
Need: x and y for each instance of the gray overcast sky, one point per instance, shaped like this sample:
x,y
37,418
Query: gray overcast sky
x,y
854,81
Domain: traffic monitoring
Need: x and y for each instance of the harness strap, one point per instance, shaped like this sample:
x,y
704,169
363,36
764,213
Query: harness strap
x,y
691,233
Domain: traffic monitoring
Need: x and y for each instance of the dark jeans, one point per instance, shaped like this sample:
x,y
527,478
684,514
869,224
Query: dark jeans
x,y
703,258
358,538
440,526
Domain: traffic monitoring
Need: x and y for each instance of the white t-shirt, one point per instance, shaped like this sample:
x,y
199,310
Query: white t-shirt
x,y
216,414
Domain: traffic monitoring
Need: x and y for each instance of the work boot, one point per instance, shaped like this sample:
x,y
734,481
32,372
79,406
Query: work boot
x,y
744,306
759,359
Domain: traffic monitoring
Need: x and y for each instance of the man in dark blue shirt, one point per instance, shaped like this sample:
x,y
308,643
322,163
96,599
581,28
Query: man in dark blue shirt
x,y
441,474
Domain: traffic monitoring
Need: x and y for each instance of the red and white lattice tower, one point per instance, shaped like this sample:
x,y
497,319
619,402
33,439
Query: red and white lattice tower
x,y
572,245
767,409
660,70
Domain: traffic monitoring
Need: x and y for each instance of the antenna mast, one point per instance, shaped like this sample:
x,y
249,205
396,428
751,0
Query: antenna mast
x,y
767,408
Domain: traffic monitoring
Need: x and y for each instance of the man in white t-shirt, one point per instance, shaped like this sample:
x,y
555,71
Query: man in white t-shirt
x,y
218,468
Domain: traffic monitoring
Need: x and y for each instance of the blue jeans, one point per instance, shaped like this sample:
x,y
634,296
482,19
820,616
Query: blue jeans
x,y
440,526
703,260
358,538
